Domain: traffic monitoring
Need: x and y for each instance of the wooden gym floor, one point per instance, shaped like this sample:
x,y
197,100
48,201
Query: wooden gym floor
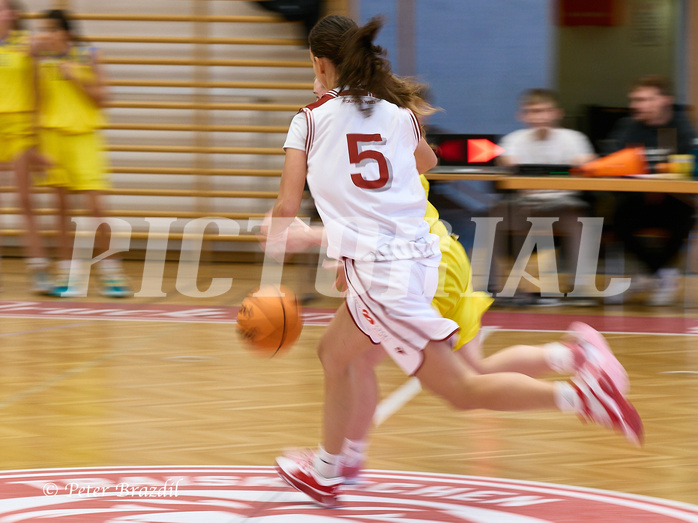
x,y
82,392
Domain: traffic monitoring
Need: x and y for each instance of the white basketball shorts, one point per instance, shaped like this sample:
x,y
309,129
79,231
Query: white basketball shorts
x,y
390,301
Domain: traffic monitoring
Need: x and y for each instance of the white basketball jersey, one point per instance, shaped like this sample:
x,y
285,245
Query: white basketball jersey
x,y
363,177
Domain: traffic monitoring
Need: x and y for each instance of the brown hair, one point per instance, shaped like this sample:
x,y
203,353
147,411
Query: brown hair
x,y
662,84
361,65
539,96
63,21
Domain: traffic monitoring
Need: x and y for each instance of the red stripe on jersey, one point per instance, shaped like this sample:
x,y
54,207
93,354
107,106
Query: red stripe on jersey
x,y
307,124
329,95
311,131
417,127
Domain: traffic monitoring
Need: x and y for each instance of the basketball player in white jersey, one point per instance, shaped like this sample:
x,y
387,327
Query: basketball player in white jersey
x,y
580,348
362,153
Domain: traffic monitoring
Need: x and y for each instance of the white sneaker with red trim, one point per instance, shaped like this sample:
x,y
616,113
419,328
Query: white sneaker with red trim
x,y
602,403
352,473
591,351
298,471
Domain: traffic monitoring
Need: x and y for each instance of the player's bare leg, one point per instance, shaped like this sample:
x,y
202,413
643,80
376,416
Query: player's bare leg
x,y
366,395
591,395
37,261
342,344
531,360
113,280
581,346
318,474
447,376
64,245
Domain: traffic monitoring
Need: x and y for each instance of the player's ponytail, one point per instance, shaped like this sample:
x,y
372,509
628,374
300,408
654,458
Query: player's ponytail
x,y
326,38
361,65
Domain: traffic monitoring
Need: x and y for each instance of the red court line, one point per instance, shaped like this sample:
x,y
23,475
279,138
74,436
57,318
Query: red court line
x,y
525,321
560,322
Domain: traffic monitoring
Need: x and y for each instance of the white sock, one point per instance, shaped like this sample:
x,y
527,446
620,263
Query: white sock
x,y
353,451
326,464
559,357
38,264
110,265
566,397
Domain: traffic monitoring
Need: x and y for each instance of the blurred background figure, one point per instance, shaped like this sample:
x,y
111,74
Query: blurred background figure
x,y
654,226
17,129
306,11
544,142
72,91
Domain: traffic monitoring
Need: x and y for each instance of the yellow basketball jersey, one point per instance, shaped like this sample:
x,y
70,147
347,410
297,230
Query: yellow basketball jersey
x,y
64,105
16,74
432,215
455,298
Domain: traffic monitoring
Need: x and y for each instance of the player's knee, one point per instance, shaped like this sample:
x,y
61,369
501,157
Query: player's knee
x,y
332,363
459,398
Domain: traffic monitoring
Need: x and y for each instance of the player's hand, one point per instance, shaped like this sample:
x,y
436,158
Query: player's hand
x,y
302,237
297,237
340,282
272,245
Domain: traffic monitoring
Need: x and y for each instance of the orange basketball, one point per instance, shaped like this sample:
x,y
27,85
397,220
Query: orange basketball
x,y
270,319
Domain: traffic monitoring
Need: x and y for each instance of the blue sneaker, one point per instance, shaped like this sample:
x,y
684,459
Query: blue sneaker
x,y
41,282
114,285
62,288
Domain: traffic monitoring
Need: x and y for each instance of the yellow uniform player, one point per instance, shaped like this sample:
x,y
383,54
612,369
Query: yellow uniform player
x,y
455,298
17,128
18,96
72,92
70,120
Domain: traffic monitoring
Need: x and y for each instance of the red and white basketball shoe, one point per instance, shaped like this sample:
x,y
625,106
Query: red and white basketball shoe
x,y
297,470
602,403
352,473
591,351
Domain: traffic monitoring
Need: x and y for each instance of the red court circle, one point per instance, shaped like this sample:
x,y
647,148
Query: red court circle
x,y
229,494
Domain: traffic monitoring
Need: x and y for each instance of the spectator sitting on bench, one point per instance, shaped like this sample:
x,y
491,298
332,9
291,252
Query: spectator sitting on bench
x,y
543,141
653,226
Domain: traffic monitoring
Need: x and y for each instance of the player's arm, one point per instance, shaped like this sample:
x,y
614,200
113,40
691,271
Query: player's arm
x,y
288,202
99,90
96,89
425,156
36,86
37,160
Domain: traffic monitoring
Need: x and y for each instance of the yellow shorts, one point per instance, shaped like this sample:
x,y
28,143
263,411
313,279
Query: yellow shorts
x,y
455,298
79,160
16,135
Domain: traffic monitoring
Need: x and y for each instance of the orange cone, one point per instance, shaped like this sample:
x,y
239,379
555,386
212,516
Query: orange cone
x,y
622,163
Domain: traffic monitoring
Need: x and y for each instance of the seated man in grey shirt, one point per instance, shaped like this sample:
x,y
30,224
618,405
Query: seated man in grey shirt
x,y
543,141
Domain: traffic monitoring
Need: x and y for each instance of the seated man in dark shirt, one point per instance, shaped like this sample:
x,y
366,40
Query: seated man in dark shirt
x,y
667,219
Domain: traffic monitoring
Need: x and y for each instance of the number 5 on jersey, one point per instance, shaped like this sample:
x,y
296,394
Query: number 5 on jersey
x,y
358,157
